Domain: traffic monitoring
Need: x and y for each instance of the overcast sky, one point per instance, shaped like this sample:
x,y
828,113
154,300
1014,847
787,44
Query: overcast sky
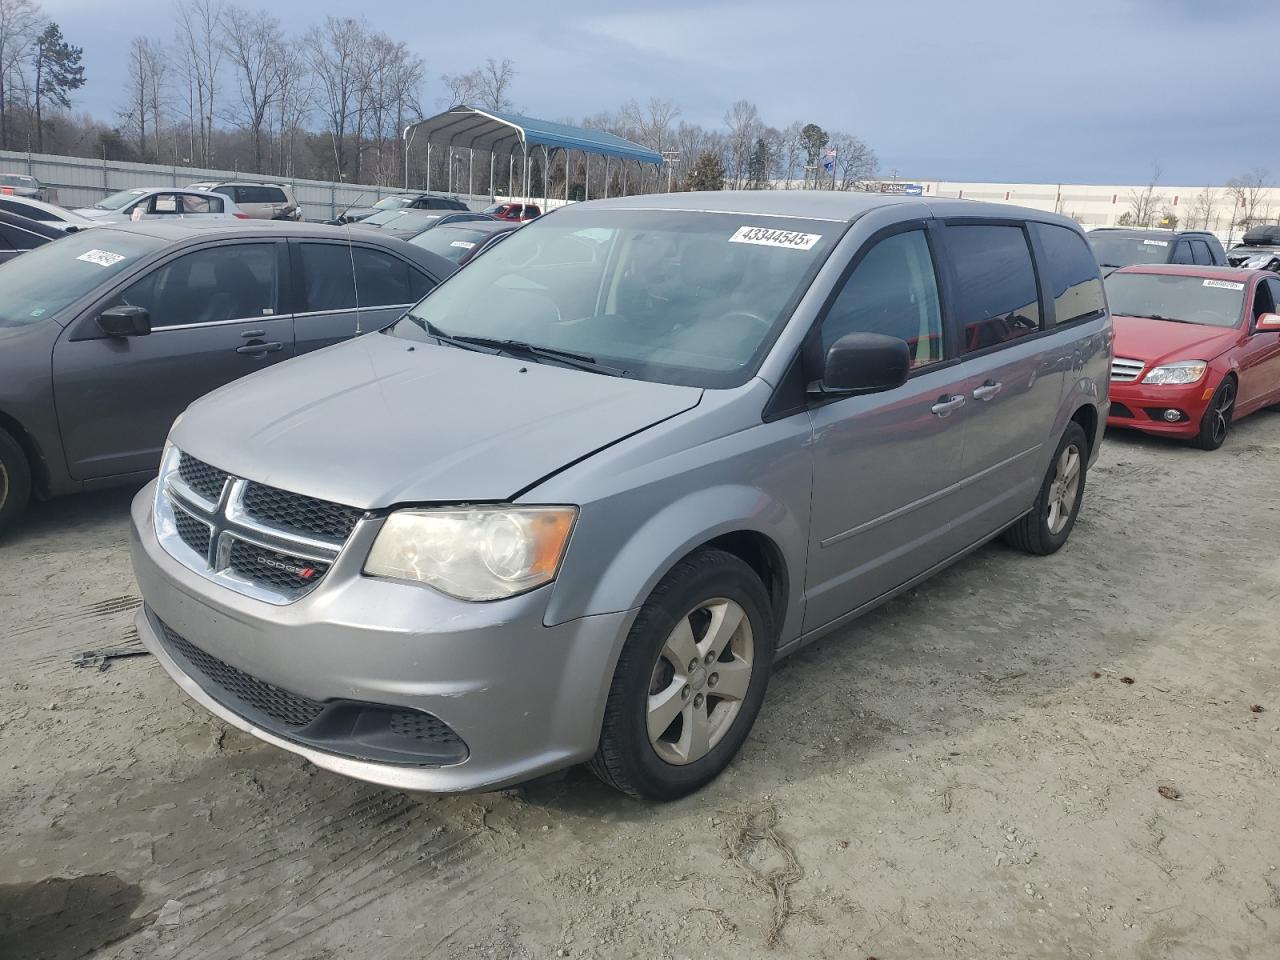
x,y
1079,91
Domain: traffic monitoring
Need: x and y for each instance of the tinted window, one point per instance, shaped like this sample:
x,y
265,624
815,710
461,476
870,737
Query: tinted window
x,y
42,282
232,282
996,298
893,291
1200,253
1071,273
194,204
326,277
15,238
254,194
1264,299
1182,253
420,284
381,279
449,242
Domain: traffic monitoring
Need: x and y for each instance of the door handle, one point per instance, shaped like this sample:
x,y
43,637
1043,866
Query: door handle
x,y
252,333
987,390
259,349
946,403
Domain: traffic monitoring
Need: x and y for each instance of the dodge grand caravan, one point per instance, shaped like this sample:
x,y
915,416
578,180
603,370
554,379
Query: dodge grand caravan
x,y
574,504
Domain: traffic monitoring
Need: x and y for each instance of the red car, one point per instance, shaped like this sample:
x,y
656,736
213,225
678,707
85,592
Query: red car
x,y
1196,348
516,212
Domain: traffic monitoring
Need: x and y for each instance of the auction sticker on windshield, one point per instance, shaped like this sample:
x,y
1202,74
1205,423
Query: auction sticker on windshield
x,y
463,244
103,258
1155,243
1224,284
776,238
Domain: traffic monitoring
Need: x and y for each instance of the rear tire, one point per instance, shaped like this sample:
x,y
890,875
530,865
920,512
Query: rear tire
x,y
15,481
1045,529
712,614
1216,422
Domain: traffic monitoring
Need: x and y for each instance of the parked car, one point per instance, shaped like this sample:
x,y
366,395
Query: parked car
x,y
261,201
571,509
46,213
106,335
1196,349
1259,249
21,185
161,203
410,223
401,201
519,212
1117,247
20,234
462,242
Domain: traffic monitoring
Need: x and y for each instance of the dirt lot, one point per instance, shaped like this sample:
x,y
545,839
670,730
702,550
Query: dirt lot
x,y
972,771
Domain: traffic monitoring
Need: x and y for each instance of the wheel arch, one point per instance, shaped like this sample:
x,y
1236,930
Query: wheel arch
x,y
30,449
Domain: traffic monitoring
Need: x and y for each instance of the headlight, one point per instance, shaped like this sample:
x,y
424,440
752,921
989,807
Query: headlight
x,y
473,553
1185,371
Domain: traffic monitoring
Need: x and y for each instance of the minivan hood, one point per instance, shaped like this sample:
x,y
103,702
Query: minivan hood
x,y
380,421
1156,341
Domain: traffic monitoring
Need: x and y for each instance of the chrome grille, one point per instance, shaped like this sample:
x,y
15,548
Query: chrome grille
x,y
255,539
298,513
1125,371
205,480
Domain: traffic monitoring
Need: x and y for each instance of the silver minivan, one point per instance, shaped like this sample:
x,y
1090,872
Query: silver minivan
x,y
575,504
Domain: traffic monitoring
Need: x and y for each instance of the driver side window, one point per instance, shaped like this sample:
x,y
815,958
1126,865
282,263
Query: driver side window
x,y
230,282
1264,298
893,291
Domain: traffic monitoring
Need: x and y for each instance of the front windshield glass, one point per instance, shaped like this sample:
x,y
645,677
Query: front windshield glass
x,y
16,180
386,216
393,203
1114,251
450,243
118,200
43,281
1205,300
682,297
415,220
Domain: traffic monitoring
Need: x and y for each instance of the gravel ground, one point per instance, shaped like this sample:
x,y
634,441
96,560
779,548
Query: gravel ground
x,y
1024,757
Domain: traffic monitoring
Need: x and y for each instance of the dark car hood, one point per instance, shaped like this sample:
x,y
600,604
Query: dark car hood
x,y
1159,341
379,421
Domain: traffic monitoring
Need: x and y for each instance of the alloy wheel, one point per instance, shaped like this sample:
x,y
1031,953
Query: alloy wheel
x,y
699,681
1063,488
1223,404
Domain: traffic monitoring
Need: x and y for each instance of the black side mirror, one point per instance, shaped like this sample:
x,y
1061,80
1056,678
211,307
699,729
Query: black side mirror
x,y
865,363
125,321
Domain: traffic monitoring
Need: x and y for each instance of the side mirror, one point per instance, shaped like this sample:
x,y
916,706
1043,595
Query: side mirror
x,y
125,321
865,363
1269,321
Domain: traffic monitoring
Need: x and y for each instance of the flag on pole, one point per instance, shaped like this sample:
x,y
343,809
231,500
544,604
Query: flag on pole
x,y
829,160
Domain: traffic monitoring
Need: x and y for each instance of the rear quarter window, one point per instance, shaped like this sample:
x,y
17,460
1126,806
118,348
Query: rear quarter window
x,y
1071,273
996,297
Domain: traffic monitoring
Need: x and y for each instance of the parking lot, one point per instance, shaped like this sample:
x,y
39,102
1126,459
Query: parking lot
x,y
973,770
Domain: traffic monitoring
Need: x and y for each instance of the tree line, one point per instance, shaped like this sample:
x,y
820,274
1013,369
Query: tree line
x,y
228,87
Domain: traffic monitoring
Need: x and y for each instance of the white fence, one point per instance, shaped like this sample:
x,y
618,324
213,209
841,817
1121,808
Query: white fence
x,y
81,182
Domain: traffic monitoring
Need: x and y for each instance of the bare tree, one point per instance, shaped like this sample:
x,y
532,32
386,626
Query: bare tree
x,y
855,162
1202,208
1248,190
199,26
252,44
143,109
334,52
19,25
494,85
743,122
791,154
1145,203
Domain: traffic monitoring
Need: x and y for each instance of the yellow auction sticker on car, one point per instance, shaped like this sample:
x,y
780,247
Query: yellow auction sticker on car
x,y
1224,284
776,238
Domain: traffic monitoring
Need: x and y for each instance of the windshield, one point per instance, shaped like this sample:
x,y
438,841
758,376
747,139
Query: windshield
x,y
672,296
452,244
46,279
415,220
16,180
386,216
1212,302
393,203
118,200
1113,251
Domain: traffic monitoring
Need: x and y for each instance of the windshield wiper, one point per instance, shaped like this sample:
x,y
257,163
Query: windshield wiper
x,y
1156,316
579,361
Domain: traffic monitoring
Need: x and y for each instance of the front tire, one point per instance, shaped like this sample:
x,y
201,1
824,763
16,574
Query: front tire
x,y
1216,422
689,681
15,481
1045,529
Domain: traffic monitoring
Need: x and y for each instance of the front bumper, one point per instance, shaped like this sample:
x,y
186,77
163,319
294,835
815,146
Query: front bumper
x,y
524,699
1138,407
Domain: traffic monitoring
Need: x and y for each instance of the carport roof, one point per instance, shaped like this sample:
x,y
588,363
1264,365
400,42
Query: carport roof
x,y
469,127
